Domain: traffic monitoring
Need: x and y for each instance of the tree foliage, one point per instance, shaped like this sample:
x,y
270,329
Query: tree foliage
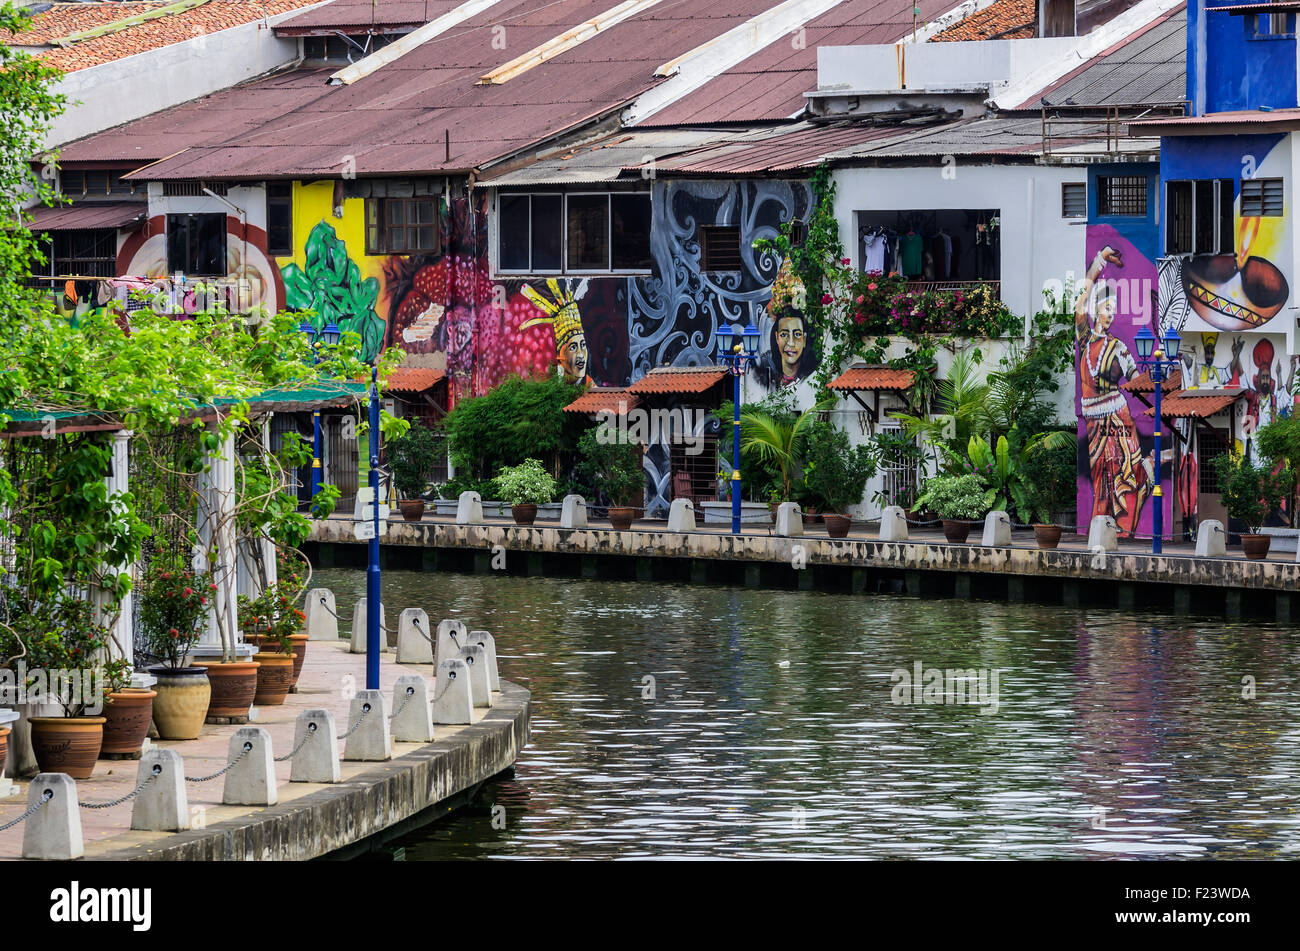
x,y
514,421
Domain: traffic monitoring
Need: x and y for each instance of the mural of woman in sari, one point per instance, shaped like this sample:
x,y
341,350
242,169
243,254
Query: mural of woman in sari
x,y
1121,476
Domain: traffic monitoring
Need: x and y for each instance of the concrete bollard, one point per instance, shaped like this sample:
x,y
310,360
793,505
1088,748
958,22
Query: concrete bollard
x,y
1103,533
574,512
322,622
368,739
448,640
789,520
53,832
414,640
358,643
480,688
317,759
681,516
997,530
489,644
453,702
412,720
251,781
893,524
469,509
163,805
1211,542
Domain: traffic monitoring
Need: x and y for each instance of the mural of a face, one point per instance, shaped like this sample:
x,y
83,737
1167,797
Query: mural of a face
x,y
457,336
790,340
573,358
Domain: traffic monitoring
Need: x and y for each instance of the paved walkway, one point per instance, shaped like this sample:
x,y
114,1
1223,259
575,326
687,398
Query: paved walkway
x,y
329,675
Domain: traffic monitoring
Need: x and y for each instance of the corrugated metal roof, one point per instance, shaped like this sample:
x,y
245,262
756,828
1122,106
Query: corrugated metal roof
x,y
1227,120
367,13
610,157
674,380
873,378
1149,66
771,84
1278,6
394,120
90,214
613,399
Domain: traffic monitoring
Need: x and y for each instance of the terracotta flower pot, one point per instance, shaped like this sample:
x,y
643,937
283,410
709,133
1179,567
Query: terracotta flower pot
x,y
621,516
67,744
4,747
274,678
182,701
1047,536
1256,546
837,526
127,714
300,654
524,514
811,517
233,687
955,530
773,506
412,509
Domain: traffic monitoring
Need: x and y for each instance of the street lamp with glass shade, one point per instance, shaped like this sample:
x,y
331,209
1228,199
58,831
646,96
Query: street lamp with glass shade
x,y
1160,359
737,349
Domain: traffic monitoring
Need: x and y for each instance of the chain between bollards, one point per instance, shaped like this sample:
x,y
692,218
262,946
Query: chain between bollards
x,y
31,810
157,768
311,731
365,711
410,692
225,769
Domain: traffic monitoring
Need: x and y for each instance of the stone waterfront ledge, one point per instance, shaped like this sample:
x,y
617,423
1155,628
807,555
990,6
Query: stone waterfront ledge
x,y
420,782
1072,561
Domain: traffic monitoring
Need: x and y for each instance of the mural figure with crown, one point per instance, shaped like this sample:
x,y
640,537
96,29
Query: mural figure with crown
x,y
560,307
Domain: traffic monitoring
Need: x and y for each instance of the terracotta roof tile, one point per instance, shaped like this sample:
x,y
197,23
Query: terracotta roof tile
x,y
66,19
873,378
615,399
1003,20
683,380
413,379
1143,384
1192,403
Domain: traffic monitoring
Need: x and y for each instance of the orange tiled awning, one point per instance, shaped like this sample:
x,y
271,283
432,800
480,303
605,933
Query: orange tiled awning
x,y
413,379
1143,384
874,378
613,399
1196,404
678,380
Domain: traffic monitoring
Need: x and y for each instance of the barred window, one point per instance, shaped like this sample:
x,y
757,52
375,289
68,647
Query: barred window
x,y
1122,195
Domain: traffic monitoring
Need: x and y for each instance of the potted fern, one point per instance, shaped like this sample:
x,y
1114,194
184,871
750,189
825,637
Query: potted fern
x,y
411,459
612,462
525,487
956,500
1250,492
836,474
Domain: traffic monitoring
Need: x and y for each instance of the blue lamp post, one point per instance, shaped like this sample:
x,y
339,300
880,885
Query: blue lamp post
x,y
1160,359
372,568
329,337
737,349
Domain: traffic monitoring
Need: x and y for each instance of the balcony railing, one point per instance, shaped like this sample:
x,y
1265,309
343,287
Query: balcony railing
x,y
920,287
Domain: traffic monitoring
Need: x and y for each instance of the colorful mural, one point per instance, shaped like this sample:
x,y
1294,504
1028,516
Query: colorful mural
x,y
1116,457
331,286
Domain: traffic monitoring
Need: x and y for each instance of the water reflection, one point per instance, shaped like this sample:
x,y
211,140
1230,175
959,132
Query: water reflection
x,y
675,721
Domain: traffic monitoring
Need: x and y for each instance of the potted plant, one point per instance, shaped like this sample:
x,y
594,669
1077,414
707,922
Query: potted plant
x,y
64,635
128,711
1047,485
11,649
173,603
1250,491
611,462
411,459
525,487
836,474
956,500
270,621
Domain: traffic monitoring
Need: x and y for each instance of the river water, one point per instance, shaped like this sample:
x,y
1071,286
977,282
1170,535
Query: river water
x,y
687,721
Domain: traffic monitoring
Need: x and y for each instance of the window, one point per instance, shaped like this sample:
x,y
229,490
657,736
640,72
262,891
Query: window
x,y
196,244
719,248
1199,217
1270,26
1261,198
193,189
577,233
89,252
1211,443
83,183
1122,195
402,226
1074,200
279,218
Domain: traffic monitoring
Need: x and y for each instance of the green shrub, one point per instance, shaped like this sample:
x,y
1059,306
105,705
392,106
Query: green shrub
x,y
955,497
526,483
515,420
836,473
412,458
1250,490
611,462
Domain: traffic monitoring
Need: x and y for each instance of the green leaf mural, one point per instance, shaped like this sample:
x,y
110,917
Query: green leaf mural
x,y
331,287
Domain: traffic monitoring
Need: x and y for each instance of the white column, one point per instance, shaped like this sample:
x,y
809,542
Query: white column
x,y
121,640
217,535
